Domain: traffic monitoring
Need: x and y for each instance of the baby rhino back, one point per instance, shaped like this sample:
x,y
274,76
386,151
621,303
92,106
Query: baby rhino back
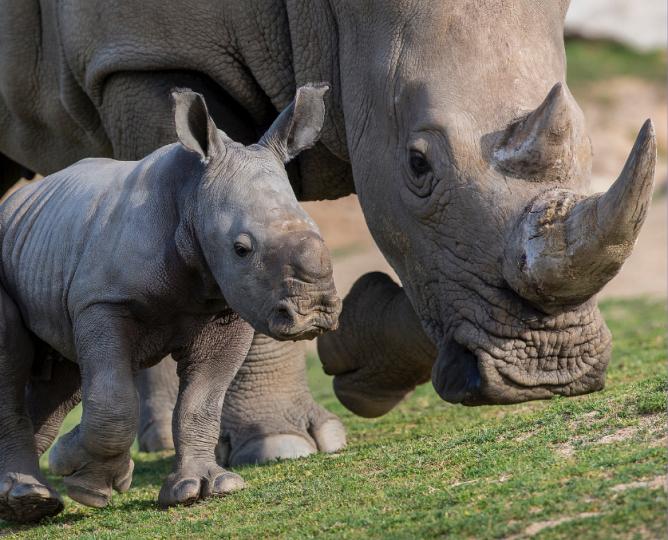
x,y
45,228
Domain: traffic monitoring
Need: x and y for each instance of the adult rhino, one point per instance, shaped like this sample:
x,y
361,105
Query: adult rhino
x,y
450,120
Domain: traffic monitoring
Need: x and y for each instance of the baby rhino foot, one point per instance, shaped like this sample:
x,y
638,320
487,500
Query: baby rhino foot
x,y
24,498
197,481
89,479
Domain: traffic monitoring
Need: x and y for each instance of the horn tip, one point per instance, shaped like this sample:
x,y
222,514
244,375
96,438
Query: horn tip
x,y
646,139
648,128
557,92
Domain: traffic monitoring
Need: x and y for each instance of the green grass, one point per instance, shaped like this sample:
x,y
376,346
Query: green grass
x,y
429,469
593,61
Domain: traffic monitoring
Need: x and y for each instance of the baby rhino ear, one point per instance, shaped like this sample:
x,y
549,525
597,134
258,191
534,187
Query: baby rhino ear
x,y
298,126
195,129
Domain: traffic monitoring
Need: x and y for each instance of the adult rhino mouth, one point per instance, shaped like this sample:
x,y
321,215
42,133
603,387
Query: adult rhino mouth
x,y
456,375
546,363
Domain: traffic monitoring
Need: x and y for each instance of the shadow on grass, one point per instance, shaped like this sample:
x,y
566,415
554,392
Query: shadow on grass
x,y
62,519
151,469
138,505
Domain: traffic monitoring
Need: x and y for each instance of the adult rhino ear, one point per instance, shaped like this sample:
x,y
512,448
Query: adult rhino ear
x,y
195,128
298,126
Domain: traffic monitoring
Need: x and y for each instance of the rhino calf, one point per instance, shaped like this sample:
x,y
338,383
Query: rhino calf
x,y
107,267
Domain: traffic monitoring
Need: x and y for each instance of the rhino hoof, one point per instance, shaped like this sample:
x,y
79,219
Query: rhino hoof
x,y
198,482
97,498
23,499
91,487
270,448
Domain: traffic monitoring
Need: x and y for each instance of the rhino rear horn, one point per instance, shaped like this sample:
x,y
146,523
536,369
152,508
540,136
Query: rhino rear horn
x,y
541,144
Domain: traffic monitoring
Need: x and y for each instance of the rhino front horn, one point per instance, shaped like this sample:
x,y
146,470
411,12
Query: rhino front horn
x,y
566,247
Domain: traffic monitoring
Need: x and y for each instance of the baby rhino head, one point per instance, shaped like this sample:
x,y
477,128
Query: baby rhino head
x,y
263,250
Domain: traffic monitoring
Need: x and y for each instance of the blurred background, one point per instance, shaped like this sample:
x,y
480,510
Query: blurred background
x,y
616,51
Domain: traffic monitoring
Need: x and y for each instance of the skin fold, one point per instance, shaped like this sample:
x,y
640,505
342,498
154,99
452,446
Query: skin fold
x,y
86,302
453,123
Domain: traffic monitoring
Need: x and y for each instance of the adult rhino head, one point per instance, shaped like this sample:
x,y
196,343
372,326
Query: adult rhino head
x,y
471,162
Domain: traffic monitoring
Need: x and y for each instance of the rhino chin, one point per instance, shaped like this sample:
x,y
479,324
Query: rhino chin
x,y
475,368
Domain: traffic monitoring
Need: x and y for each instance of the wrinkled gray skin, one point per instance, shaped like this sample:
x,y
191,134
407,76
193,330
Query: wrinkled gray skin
x,y
222,238
471,188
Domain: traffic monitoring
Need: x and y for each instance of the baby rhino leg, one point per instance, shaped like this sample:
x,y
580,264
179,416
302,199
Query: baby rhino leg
x,y
50,397
94,457
206,367
24,493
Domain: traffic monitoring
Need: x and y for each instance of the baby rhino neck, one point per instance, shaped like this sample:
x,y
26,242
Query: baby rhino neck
x,y
179,177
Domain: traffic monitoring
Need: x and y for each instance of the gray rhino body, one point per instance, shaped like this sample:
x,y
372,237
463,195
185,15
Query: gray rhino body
x,y
472,182
87,297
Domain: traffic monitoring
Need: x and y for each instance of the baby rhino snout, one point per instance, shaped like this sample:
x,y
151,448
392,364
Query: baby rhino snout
x,y
287,322
310,305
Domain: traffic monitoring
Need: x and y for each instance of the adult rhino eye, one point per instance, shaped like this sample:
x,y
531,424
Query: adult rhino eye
x,y
421,179
243,246
419,164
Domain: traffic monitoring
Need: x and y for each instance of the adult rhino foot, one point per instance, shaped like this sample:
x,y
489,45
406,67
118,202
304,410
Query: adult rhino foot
x,y
269,412
89,480
329,437
196,481
25,499
380,353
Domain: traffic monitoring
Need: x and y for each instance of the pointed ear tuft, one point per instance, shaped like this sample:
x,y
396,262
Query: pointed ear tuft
x,y
195,129
298,126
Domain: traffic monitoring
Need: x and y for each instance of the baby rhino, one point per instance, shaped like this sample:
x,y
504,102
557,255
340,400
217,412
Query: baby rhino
x,y
106,267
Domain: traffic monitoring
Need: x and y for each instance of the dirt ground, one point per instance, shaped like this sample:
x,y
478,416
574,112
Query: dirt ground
x,y
614,112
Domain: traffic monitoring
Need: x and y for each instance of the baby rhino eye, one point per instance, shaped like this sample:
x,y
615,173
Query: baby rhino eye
x,y
243,246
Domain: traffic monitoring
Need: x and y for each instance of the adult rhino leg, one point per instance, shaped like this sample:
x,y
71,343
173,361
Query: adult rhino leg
x,y
269,412
136,111
158,389
379,353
